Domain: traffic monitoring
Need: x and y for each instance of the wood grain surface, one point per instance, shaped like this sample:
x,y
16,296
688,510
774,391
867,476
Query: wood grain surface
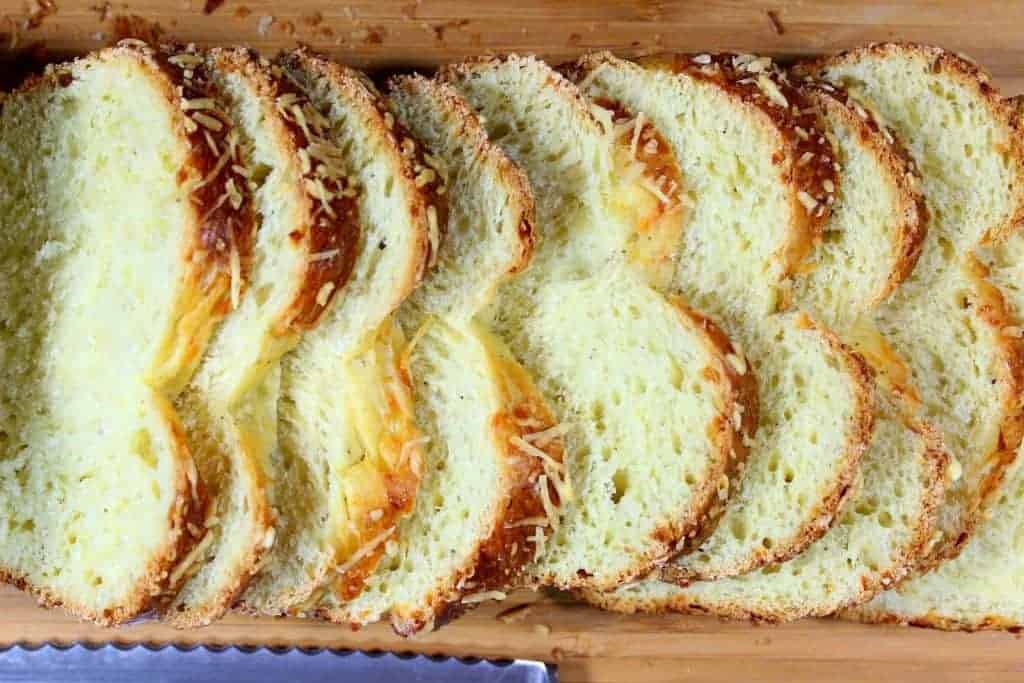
x,y
589,645
388,34
380,35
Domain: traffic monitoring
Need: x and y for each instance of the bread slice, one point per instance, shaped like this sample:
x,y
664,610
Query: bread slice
x,y
761,177
493,442
880,533
117,258
480,508
349,457
887,523
946,320
655,396
303,254
872,240
982,587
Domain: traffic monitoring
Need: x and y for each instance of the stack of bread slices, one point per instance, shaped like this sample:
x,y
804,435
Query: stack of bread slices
x,y
692,333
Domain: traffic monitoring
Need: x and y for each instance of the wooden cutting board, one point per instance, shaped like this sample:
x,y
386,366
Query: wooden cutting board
x,y
382,35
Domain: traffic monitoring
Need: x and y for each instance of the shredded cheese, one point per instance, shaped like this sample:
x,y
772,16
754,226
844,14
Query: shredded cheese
x,y
545,498
409,446
543,438
434,233
207,121
324,293
414,342
530,449
364,551
539,540
638,126
324,255
528,521
191,558
483,596
653,188
236,277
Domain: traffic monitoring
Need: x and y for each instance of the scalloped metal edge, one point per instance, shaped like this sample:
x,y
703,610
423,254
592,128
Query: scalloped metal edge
x,y
249,649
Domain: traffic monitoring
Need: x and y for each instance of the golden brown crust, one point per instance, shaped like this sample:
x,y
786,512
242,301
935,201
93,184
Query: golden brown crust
x,y
894,158
970,76
806,160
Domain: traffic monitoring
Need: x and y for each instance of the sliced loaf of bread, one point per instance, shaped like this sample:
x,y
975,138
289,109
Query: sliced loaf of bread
x,y
120,253
887,523
657,401
946,320
493,473
761,177
983,587
349,456
303,253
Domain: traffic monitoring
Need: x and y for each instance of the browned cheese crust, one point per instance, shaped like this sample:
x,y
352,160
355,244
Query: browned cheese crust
x,y
523,521
900,167
428,213
227,230
499,557
806,161
328,233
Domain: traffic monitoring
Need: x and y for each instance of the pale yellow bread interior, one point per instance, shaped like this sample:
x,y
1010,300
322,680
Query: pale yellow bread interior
x,y
301,258
618,361
110,285
982,587
761,182
946,320
492,470
349,456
